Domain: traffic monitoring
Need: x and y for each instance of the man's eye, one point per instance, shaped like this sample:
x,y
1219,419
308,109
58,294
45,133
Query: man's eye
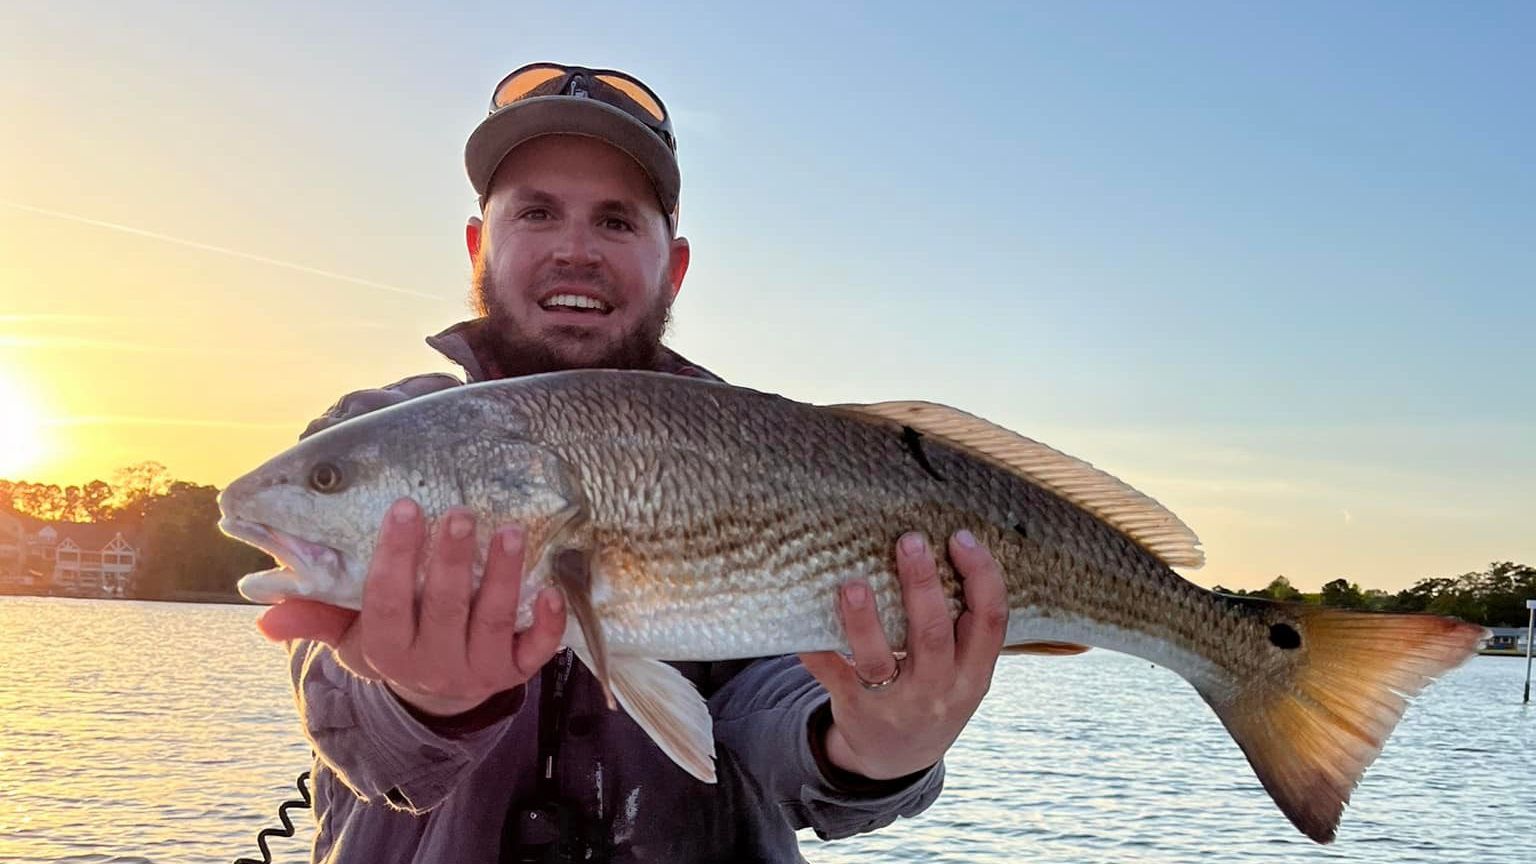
x,y
614,223
536,214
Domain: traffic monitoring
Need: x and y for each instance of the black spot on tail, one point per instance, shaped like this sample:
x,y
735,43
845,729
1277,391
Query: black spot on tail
x,y
1284,636
914,441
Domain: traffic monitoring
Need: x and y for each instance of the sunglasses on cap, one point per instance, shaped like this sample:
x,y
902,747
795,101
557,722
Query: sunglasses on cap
x,y
609,86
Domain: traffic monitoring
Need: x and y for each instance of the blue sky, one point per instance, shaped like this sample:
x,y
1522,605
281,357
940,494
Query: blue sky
x,y
1273,265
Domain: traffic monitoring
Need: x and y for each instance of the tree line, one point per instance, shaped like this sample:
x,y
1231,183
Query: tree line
x,y
183,550
176,523
1493,598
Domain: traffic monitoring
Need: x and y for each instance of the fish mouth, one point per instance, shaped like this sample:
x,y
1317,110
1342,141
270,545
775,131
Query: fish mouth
x,y
304,566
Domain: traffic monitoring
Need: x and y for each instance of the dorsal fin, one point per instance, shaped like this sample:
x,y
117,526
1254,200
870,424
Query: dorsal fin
x,y
1138,516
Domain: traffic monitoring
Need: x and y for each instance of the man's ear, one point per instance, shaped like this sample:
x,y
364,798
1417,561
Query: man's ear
x,y
680,255
472,236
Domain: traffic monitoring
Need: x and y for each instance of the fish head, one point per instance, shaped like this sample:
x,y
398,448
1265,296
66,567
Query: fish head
x,y
317,507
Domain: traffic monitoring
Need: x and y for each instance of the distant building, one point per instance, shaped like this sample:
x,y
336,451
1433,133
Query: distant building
x,y
15,574
1504,639
81,559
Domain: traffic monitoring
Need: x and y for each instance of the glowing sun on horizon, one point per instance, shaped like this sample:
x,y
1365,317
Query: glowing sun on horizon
x,y
21,431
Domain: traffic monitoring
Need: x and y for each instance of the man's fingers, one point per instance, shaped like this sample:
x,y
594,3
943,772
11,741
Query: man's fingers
x,y
930,630
442,626
350,654
872,658
493,620
982,627
305,619
829,668
388,619
539,642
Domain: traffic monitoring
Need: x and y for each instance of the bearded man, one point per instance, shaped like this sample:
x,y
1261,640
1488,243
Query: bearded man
x,y
441,734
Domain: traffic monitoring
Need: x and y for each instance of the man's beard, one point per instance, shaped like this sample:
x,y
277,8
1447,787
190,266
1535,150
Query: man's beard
x,y
515,351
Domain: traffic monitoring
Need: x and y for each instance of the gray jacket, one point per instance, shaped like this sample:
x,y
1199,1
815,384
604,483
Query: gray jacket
x,y
546,772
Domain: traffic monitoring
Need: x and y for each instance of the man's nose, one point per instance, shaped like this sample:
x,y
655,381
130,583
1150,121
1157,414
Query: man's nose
x,y
577,245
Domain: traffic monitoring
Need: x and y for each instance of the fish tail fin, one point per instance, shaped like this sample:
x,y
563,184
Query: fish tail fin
x,y
1310,729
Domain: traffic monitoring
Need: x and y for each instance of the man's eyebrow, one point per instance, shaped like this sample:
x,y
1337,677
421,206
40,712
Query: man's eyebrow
x,y
530,195
618,208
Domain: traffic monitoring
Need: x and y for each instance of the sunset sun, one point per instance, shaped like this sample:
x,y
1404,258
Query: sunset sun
x,y
21,433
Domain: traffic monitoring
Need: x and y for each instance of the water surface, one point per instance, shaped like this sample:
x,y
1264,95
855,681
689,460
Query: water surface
x,y
158,732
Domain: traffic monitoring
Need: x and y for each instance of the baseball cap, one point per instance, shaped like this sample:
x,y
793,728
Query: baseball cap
x,y
556,99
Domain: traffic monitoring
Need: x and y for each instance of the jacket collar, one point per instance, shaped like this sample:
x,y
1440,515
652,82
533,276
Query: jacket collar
x,y
460,343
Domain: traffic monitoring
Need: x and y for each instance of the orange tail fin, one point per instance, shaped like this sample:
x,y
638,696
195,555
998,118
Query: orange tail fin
x,y
1309,735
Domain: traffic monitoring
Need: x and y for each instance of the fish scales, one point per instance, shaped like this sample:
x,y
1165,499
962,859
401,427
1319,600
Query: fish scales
x,y
727,496
711,522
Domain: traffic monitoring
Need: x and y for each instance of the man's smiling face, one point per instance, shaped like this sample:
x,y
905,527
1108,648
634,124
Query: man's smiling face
x,y
576,265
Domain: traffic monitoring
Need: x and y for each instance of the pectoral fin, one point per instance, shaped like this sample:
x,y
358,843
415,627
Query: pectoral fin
x,y
1049,649
571,570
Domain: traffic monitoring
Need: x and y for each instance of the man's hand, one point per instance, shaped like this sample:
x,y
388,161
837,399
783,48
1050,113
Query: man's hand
x,y
908,725
454,648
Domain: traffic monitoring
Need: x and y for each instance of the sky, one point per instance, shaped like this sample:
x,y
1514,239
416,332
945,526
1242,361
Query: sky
x,y
1272,265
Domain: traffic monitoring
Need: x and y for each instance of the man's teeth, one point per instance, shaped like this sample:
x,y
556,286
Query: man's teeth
x,y
575,301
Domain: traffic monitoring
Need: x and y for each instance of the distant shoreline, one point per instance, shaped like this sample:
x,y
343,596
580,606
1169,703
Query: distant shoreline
x,y
218,597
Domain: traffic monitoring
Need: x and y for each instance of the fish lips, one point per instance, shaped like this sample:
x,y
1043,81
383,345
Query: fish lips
x,y
304,567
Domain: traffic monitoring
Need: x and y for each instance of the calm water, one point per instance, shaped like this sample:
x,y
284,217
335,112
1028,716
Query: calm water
x,y
145,732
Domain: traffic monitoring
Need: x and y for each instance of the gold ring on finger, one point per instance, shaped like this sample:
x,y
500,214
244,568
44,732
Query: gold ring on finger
x,y
877,686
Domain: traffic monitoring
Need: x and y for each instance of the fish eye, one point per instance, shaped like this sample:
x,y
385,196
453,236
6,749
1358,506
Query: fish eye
x,y
325,477
1284,636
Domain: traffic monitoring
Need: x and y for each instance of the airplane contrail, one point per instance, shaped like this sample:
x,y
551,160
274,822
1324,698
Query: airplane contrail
x,y
235,253
64,318
8,341
132,420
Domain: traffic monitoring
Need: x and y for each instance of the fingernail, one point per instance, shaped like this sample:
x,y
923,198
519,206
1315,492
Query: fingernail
x,y
510,539
857,595
459,526
913,543
966,539
403,510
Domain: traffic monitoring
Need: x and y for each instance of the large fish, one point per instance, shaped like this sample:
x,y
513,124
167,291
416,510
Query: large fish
x,y
690,520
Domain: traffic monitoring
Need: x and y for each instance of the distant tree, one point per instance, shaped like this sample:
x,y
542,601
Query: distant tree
x,y
94,498
134,487
43,501
1280,588
184,549
1504,587
88,503
1423,592
1343,594
1460,604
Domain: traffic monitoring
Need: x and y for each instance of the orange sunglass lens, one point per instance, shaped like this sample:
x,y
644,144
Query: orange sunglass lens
x,y
635,92
523,83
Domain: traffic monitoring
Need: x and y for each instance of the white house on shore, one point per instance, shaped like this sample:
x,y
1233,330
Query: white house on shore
x,y
83,559
1504,639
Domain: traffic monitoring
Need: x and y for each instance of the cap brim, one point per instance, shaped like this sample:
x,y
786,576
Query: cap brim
x,y
532,118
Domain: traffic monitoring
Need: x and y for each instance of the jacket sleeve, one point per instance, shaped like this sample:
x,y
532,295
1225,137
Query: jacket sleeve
x,y
379,748
768,714
376,746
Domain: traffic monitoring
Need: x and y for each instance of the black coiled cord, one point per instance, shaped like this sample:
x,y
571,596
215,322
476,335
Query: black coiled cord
x,y
282,815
